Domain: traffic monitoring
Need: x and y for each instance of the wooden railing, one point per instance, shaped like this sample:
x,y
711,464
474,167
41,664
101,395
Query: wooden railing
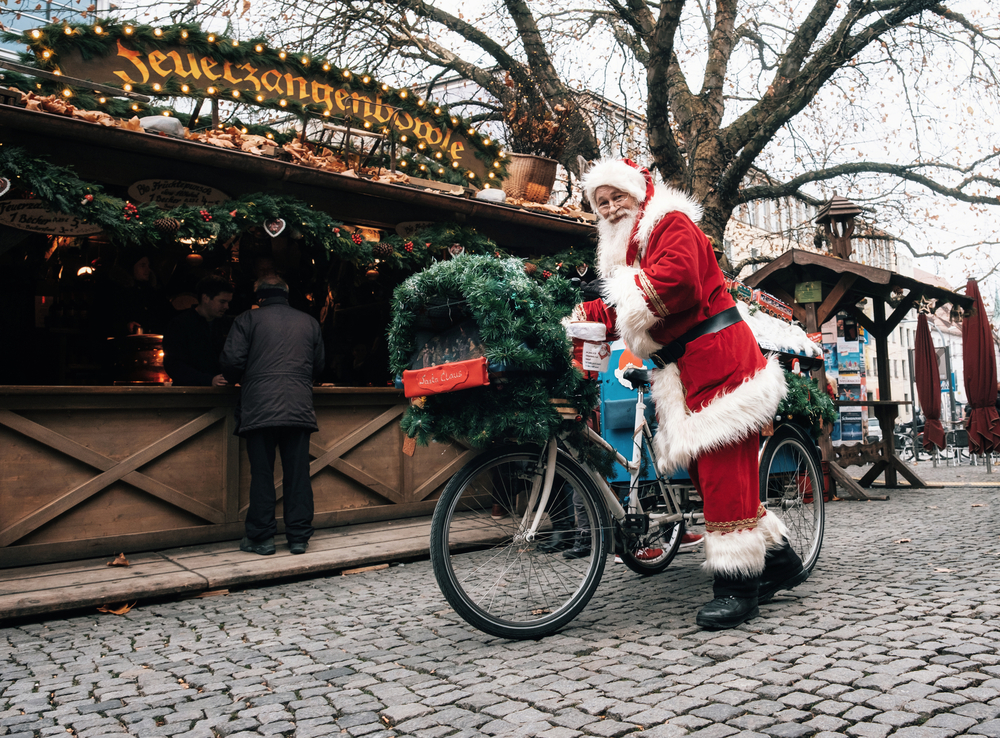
x,y
91,471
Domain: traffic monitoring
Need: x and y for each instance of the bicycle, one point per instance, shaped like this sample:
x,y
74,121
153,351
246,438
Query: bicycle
x,y
907,450
490,568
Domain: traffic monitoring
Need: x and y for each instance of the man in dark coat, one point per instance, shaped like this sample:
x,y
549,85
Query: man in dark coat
x,y
276,353
194,339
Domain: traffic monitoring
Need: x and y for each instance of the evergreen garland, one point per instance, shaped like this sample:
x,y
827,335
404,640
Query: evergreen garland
x,y
519,323
127,223
806,404
61,190
101,38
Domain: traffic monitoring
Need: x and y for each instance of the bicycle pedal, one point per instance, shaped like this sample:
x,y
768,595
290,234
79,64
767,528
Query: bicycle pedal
x,y
636,524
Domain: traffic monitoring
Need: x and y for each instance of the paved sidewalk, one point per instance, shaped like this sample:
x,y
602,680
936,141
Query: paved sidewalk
x,y
896,633
210,567
191,570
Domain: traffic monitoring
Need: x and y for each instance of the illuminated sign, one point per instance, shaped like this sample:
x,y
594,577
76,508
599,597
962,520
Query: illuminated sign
x,y
167,69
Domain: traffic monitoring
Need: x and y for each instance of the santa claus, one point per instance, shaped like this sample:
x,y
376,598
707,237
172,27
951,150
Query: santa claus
x,y
664,295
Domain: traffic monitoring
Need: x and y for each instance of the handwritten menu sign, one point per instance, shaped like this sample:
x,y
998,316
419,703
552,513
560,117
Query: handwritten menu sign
x,y
169,193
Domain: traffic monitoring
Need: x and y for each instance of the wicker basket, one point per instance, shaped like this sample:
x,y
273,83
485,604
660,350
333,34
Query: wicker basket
x,y
530,177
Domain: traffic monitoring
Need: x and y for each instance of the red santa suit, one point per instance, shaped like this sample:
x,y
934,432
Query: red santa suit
x,y
711,403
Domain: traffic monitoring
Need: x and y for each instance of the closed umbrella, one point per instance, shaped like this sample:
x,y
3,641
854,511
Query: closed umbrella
x,y
980,365
928,381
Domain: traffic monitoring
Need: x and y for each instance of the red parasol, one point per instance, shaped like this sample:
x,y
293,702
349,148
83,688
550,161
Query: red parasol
x,y
928,381
980,366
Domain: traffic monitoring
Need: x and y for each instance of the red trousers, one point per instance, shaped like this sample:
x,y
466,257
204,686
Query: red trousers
x,y
728,479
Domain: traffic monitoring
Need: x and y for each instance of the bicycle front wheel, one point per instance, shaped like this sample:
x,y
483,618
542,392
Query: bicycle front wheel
x,y
493,574
791,487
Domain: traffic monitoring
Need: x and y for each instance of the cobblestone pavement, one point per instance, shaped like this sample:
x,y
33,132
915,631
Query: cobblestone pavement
x,y
896,633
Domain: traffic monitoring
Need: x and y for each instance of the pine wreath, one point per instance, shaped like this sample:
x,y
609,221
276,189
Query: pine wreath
x,y
519,322
806,403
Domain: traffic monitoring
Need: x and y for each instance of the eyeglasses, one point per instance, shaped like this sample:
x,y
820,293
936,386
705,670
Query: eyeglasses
x,y
618,201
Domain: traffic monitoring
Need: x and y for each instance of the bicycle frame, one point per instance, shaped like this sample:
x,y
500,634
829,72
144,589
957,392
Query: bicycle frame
x,y
541,490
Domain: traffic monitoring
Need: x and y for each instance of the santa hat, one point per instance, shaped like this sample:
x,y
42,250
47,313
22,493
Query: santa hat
x,y
622,174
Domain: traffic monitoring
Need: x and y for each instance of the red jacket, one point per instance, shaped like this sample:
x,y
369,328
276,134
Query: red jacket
x,y
722,389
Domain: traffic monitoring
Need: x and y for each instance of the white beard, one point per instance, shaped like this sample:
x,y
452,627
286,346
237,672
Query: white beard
x,y
612,243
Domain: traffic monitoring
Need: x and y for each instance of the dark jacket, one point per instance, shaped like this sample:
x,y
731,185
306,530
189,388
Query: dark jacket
x,y
191,348
275,353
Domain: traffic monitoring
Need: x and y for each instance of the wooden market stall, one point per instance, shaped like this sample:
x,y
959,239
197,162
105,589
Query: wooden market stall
x,y
91,467
843,285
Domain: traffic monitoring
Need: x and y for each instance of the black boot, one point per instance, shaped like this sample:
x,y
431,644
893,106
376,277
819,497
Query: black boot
x,y
782,570
581,547
735,602
558,540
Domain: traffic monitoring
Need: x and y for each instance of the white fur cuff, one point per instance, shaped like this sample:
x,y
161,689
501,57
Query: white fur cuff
x,y
633,316
774,529
738,554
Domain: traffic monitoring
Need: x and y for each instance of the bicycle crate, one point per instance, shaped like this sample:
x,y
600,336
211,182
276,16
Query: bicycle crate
x,y
447,361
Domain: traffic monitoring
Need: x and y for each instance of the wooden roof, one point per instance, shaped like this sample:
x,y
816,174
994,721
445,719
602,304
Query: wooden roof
x,y
853,281
118,157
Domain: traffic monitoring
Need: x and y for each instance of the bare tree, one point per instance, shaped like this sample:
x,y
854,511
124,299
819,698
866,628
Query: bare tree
x,y
891,99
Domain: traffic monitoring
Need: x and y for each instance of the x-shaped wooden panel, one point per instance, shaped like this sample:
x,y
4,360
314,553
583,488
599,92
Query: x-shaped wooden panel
x,y
331,457
111,471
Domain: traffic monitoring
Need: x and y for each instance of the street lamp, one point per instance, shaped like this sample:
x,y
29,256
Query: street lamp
x,y
838,218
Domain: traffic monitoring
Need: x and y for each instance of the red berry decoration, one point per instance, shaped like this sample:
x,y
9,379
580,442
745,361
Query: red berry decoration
x,y
356,237
130,211
205,215
546,274
408,246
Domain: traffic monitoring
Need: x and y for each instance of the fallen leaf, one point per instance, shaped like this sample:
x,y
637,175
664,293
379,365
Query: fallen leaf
x,y
120,560
902,540
117,611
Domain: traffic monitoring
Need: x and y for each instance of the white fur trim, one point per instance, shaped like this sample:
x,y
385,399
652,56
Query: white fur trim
x,y
737,554
665,200
613,173
684,435
775,531
633,318
612,244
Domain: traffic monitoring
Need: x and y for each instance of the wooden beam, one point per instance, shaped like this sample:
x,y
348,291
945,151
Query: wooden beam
x,y
863,319
832,300
442,475
325,455
900,312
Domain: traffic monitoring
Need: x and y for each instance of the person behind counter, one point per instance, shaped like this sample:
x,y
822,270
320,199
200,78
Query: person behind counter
x,y
144,304
276,353
193,340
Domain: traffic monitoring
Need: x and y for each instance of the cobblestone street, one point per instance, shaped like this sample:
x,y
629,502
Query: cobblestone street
x,y
896,633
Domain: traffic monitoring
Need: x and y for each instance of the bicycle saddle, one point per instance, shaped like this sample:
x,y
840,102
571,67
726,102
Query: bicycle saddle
x,y
636,377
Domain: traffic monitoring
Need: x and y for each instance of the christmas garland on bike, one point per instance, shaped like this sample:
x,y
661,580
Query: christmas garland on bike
x,y
519,332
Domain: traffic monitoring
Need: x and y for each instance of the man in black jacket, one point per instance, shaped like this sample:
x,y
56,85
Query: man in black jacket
x,y
193,340
276,353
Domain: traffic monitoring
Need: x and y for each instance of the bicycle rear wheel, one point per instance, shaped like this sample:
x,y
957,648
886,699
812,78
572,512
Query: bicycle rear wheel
x,y
791,487
496,579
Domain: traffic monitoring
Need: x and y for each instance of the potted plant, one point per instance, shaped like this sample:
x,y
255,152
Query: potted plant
x,y
536,136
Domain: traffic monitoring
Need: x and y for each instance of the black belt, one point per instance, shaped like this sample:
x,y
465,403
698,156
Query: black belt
x,y
675,349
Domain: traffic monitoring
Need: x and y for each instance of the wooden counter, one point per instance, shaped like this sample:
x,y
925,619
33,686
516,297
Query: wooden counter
x,y
92,471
